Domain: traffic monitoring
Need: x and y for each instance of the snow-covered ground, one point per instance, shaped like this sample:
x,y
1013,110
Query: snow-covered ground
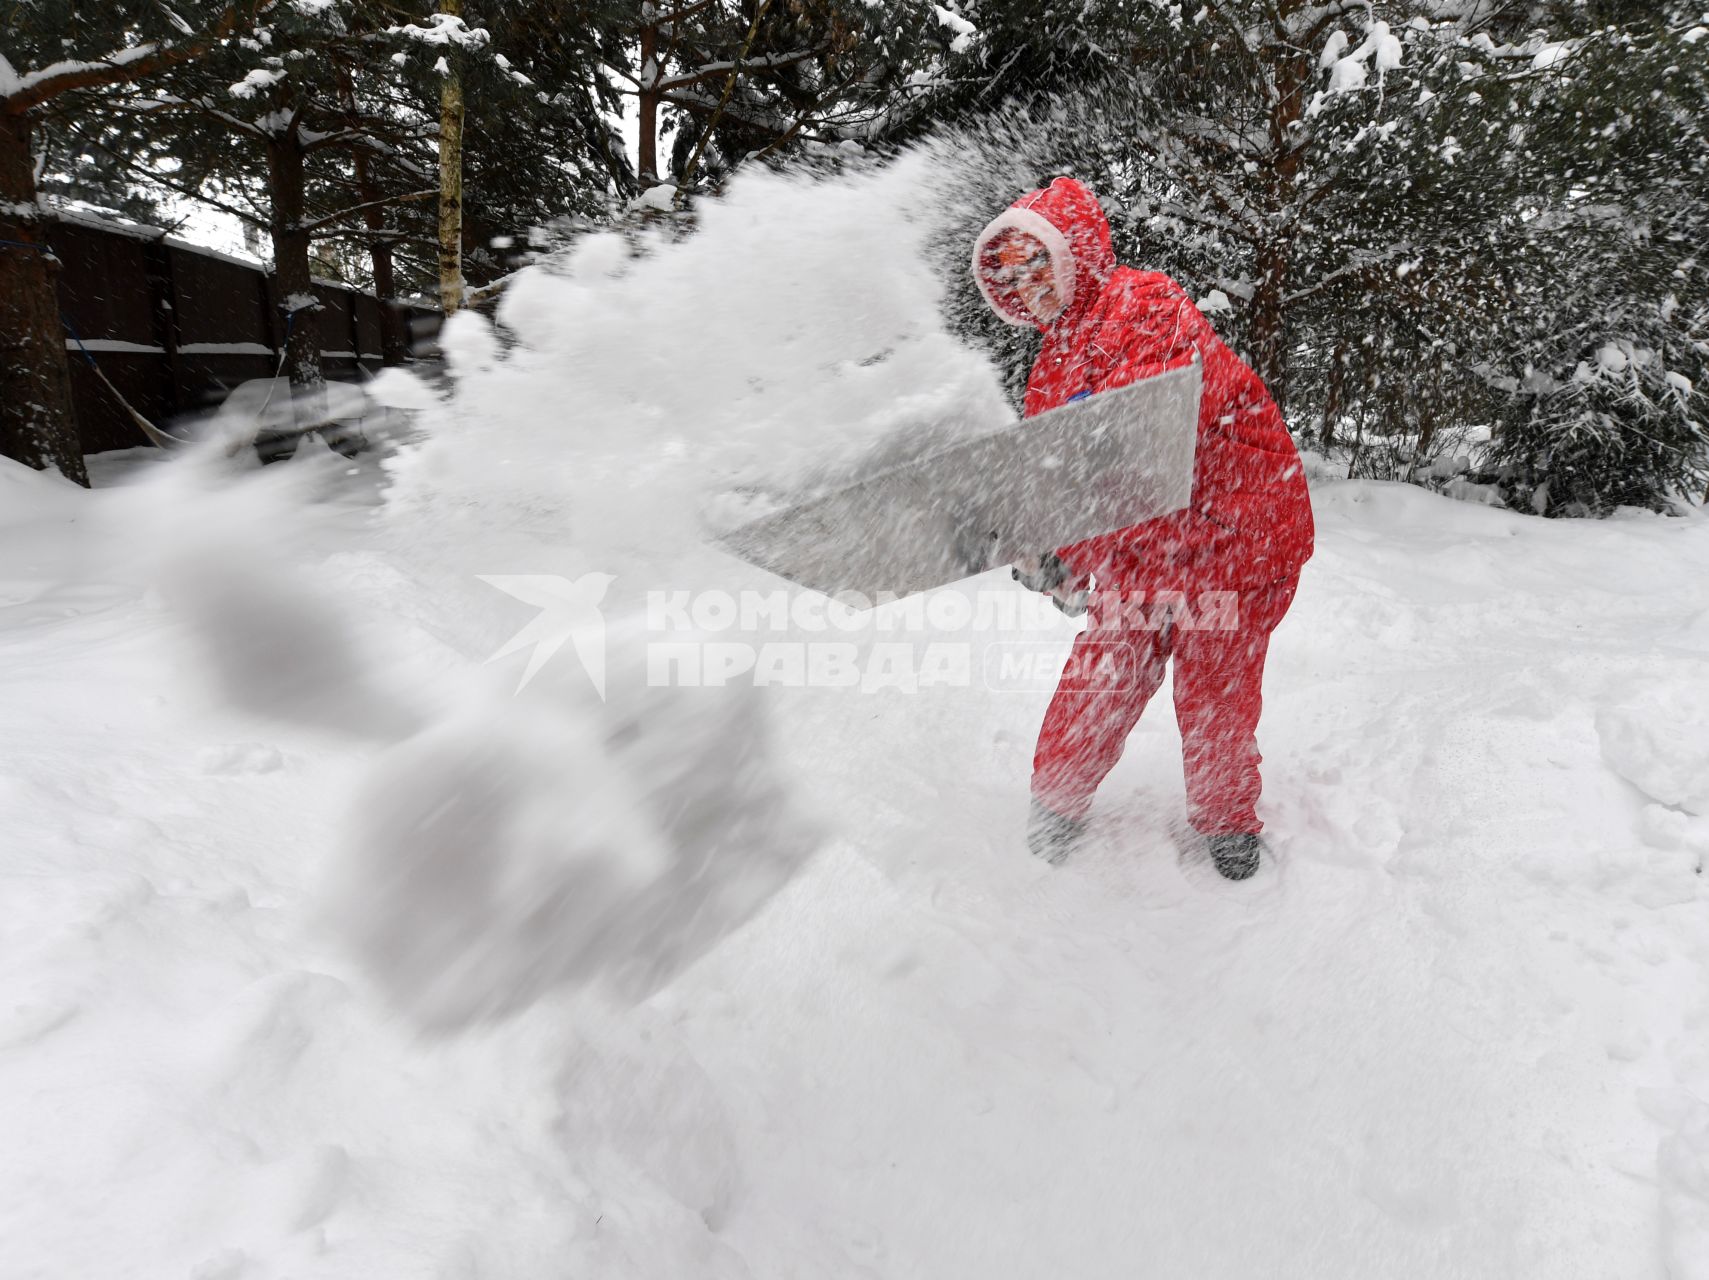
x,y
1458,1028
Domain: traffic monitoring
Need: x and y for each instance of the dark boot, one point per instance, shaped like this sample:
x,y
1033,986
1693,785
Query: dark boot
x,y
1051,836
1236,856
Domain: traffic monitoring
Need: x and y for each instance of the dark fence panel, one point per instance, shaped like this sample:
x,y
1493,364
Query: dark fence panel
x,y
106,299
219,325
174,327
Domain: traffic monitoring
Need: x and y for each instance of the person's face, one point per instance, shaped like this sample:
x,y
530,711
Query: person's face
x,y
1024,263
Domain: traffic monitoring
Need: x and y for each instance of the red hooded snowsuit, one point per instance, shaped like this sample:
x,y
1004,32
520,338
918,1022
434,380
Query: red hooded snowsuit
x,y
1247,530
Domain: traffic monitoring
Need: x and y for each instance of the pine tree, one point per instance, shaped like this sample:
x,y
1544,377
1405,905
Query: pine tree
x,y
1607,344
266,127
740,80
52,49
541,143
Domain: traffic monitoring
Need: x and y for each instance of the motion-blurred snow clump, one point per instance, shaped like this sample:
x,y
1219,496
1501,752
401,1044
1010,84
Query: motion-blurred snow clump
x,y
522,844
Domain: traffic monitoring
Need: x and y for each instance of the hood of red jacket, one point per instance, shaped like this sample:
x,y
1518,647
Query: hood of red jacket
x,y
1067,219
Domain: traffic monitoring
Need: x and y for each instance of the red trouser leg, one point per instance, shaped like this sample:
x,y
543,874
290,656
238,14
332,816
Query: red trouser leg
x,y
1219,677
1090,715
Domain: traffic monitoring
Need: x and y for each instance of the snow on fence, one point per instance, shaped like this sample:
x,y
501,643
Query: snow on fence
x,y
175,327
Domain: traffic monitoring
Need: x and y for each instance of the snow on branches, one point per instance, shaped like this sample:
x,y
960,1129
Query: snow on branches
x,y
1349,72
446,29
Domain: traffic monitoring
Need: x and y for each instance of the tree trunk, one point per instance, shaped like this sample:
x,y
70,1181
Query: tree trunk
x,y
648,149
451,180
1336,396
1426,434
292,279
394,346
37,425
1269,319
1292,72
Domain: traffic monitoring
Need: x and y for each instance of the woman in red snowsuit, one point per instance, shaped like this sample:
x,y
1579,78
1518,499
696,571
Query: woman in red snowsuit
x,y
1047,260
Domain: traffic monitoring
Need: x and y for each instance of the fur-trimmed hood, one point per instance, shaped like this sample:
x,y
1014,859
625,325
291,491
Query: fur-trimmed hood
x,y
1066,218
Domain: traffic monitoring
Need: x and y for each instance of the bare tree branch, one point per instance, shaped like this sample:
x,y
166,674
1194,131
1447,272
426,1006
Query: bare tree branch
x,y
371,204
116,68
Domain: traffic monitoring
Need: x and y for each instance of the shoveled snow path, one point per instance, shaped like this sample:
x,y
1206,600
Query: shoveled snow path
x,y
1457,1031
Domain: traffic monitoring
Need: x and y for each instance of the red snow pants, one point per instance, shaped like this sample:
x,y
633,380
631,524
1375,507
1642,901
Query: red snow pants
x,y
1219,674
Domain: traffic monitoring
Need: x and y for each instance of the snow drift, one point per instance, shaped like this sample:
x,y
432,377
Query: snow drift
x,y
1458,1031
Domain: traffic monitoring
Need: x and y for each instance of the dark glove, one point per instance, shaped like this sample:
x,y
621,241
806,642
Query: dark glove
x,y
1040,573
1068,591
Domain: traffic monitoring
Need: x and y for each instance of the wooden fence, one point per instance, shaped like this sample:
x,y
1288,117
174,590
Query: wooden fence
x,y
175,327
